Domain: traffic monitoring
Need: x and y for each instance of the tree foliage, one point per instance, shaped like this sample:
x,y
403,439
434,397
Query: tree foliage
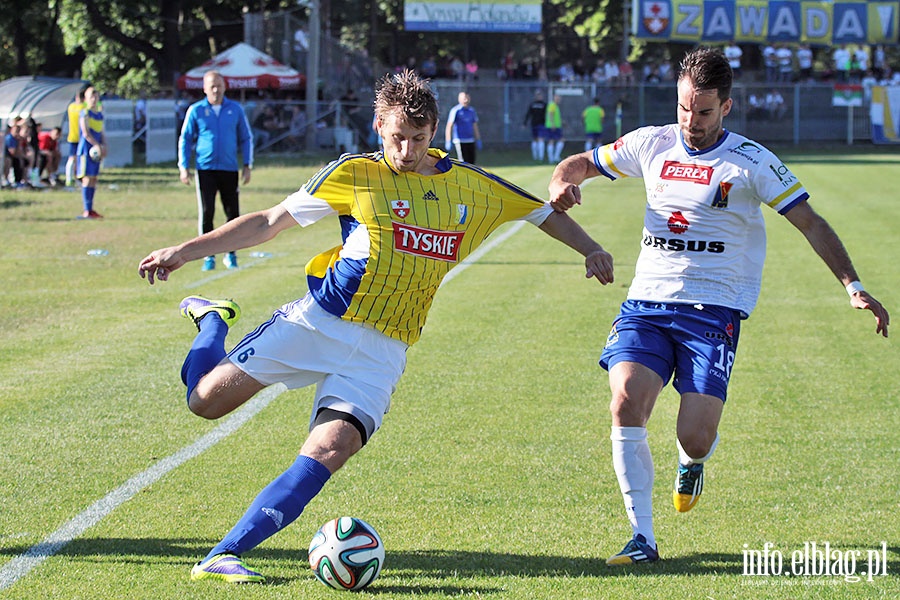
x,y
133,46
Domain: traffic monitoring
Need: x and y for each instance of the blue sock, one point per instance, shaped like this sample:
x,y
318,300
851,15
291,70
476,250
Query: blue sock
x,y
206,352
87,197
276,507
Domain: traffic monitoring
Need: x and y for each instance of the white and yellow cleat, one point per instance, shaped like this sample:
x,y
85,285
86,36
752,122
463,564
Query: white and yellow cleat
x,y
688,485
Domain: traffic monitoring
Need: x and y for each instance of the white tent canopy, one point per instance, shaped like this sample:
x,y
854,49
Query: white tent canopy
x,y
44,98
244,67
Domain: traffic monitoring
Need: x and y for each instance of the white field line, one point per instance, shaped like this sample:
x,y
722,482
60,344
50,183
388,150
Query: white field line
x,y
481,251
22,564
19,566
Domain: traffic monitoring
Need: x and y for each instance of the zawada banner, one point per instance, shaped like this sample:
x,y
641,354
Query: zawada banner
x,y
825,23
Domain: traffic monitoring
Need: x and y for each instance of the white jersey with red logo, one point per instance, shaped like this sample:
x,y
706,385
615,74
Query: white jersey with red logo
x,y
704,238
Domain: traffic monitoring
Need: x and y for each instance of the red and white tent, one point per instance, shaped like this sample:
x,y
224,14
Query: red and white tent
x,y
244,67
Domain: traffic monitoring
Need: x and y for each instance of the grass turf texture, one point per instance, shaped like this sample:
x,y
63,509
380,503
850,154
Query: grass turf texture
x,y
492,476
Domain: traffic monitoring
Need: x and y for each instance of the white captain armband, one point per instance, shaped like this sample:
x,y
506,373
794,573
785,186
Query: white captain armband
x,y
853,287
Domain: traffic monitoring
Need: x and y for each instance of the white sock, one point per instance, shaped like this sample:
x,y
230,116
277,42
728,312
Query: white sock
x,y
634,469
687,461
540,149
587,146
559,148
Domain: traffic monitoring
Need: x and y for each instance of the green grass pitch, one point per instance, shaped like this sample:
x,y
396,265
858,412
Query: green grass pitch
x,y
491,477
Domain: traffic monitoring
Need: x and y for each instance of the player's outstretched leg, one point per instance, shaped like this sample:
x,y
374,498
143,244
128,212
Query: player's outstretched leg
x,y
276,507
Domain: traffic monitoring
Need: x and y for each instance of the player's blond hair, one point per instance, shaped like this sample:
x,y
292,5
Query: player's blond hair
x,y
411,95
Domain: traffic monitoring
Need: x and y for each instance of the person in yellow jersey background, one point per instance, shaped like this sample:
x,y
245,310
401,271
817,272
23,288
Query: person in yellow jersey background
x,y
593,117
554,127
407,214
73,112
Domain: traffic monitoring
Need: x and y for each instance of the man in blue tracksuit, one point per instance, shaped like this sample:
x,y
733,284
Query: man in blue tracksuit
x,y
215,128
462,129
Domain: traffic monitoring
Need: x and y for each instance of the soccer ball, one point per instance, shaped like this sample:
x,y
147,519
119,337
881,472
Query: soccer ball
x,y
95,153
346,554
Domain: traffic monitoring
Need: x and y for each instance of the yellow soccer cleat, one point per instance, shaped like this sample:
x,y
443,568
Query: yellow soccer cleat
x,y
225,567
197,307
688,485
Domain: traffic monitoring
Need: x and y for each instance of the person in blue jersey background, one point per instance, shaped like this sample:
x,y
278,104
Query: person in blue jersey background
x,y
90,123
214,129
462,129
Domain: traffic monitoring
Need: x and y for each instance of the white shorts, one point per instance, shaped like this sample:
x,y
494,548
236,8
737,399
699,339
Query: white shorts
x,y
355,368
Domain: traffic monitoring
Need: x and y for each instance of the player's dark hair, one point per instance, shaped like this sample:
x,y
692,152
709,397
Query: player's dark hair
x,y
708,69
409,93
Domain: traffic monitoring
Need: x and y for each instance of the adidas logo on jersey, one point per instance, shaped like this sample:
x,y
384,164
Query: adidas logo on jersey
x,y
430,195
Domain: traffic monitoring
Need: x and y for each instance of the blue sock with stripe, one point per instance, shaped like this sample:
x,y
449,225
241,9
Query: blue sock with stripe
x,y
276,507
206,352
87,197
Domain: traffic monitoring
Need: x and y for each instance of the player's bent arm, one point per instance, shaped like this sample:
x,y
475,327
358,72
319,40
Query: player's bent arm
x,y
830,249
243,232
597,261
567,176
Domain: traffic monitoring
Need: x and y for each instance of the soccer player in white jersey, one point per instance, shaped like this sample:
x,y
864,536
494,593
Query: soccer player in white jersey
x,y
407,216
697,277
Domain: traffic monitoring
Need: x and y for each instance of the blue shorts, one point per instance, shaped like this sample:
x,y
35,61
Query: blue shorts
x,y
594,138
554,133
73,148
696,343
87,167
538,132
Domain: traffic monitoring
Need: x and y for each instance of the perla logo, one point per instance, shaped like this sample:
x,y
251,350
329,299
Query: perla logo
x,y
673,169
430,243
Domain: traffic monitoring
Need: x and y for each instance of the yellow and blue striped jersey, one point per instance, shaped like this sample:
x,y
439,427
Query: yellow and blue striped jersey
x,y
402,233
94,121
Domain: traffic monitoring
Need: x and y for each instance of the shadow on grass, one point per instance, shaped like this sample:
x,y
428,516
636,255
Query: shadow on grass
x,y
15,203
430,564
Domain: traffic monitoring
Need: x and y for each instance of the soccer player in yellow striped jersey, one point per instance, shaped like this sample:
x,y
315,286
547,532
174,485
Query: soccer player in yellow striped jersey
x,y
407,214
74,135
